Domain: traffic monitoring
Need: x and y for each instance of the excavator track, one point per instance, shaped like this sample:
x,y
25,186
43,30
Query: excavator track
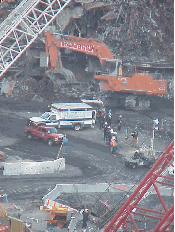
x,y
132,102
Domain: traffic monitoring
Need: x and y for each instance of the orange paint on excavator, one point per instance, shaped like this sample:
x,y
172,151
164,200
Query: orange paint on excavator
x,y
89,46
139,83
113,80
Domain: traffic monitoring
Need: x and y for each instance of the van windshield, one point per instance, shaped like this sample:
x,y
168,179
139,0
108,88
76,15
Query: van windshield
x,y
45,115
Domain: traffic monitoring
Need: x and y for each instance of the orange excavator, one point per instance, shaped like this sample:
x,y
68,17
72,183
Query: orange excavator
x,y
54,42
133,88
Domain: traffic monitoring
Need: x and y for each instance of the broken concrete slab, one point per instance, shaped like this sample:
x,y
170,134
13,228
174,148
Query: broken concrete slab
x,y
68,14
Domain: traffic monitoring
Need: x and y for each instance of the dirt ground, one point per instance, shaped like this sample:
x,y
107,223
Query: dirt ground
x,y
87,161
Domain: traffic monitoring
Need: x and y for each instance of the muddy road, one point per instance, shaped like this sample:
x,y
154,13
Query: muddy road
x,y
88,158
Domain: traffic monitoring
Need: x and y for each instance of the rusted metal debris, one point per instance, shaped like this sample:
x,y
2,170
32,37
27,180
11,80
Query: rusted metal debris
x,y
133,30
145,28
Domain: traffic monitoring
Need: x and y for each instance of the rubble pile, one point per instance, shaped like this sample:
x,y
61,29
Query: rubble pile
x,y
44,89
6,6
132,29
135,31
21,88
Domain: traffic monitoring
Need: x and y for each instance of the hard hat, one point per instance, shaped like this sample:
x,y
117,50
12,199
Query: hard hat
x,y
120,116
86,210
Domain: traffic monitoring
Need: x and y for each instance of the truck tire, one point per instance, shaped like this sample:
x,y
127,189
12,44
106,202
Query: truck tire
x,y
50,142
77,127
29,135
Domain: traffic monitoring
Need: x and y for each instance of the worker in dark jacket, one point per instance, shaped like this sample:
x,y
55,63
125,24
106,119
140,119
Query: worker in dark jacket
x,y
134,135
109,117
105,130
85,218
101,121
65,142
108,136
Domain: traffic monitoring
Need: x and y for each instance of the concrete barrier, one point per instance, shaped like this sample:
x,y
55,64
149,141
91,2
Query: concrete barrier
x,y
23,168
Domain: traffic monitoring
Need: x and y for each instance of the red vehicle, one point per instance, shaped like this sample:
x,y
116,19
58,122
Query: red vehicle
x,y
47,133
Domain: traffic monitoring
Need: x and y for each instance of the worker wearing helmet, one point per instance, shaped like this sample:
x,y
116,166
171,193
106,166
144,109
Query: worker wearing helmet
x,y
113,145
109,117
108,136
105,130
134,135
85,218
119,123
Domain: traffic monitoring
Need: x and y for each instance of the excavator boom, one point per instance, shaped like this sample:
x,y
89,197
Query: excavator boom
x,y
111,77
88,46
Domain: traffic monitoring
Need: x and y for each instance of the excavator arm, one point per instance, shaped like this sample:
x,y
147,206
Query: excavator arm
x,y
88,46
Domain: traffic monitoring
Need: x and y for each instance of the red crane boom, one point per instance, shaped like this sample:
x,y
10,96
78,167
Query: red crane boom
x,y
153,178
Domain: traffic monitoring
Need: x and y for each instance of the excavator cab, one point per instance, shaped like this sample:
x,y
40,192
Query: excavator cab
x,y
112,67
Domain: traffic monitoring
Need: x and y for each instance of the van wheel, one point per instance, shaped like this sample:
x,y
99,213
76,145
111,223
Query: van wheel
x,y
29,135
50,142
77,127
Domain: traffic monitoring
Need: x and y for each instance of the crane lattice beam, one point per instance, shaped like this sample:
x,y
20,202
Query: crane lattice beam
x,y
127,211
22,27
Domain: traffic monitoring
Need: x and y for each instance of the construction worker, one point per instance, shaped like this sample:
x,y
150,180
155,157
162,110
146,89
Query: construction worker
x,y
105,130
126,135
109,117
113,145
108,136
101,121
156,126
113,133
134,135
85,218
120,70
119,123
65,142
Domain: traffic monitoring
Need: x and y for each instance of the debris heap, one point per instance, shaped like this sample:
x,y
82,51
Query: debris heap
x,y
132,29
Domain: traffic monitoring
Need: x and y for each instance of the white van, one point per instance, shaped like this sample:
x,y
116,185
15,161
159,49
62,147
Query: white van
x,y
74,115
68,115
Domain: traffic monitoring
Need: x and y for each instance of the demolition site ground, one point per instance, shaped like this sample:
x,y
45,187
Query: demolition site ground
x,y
137,32
88,159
